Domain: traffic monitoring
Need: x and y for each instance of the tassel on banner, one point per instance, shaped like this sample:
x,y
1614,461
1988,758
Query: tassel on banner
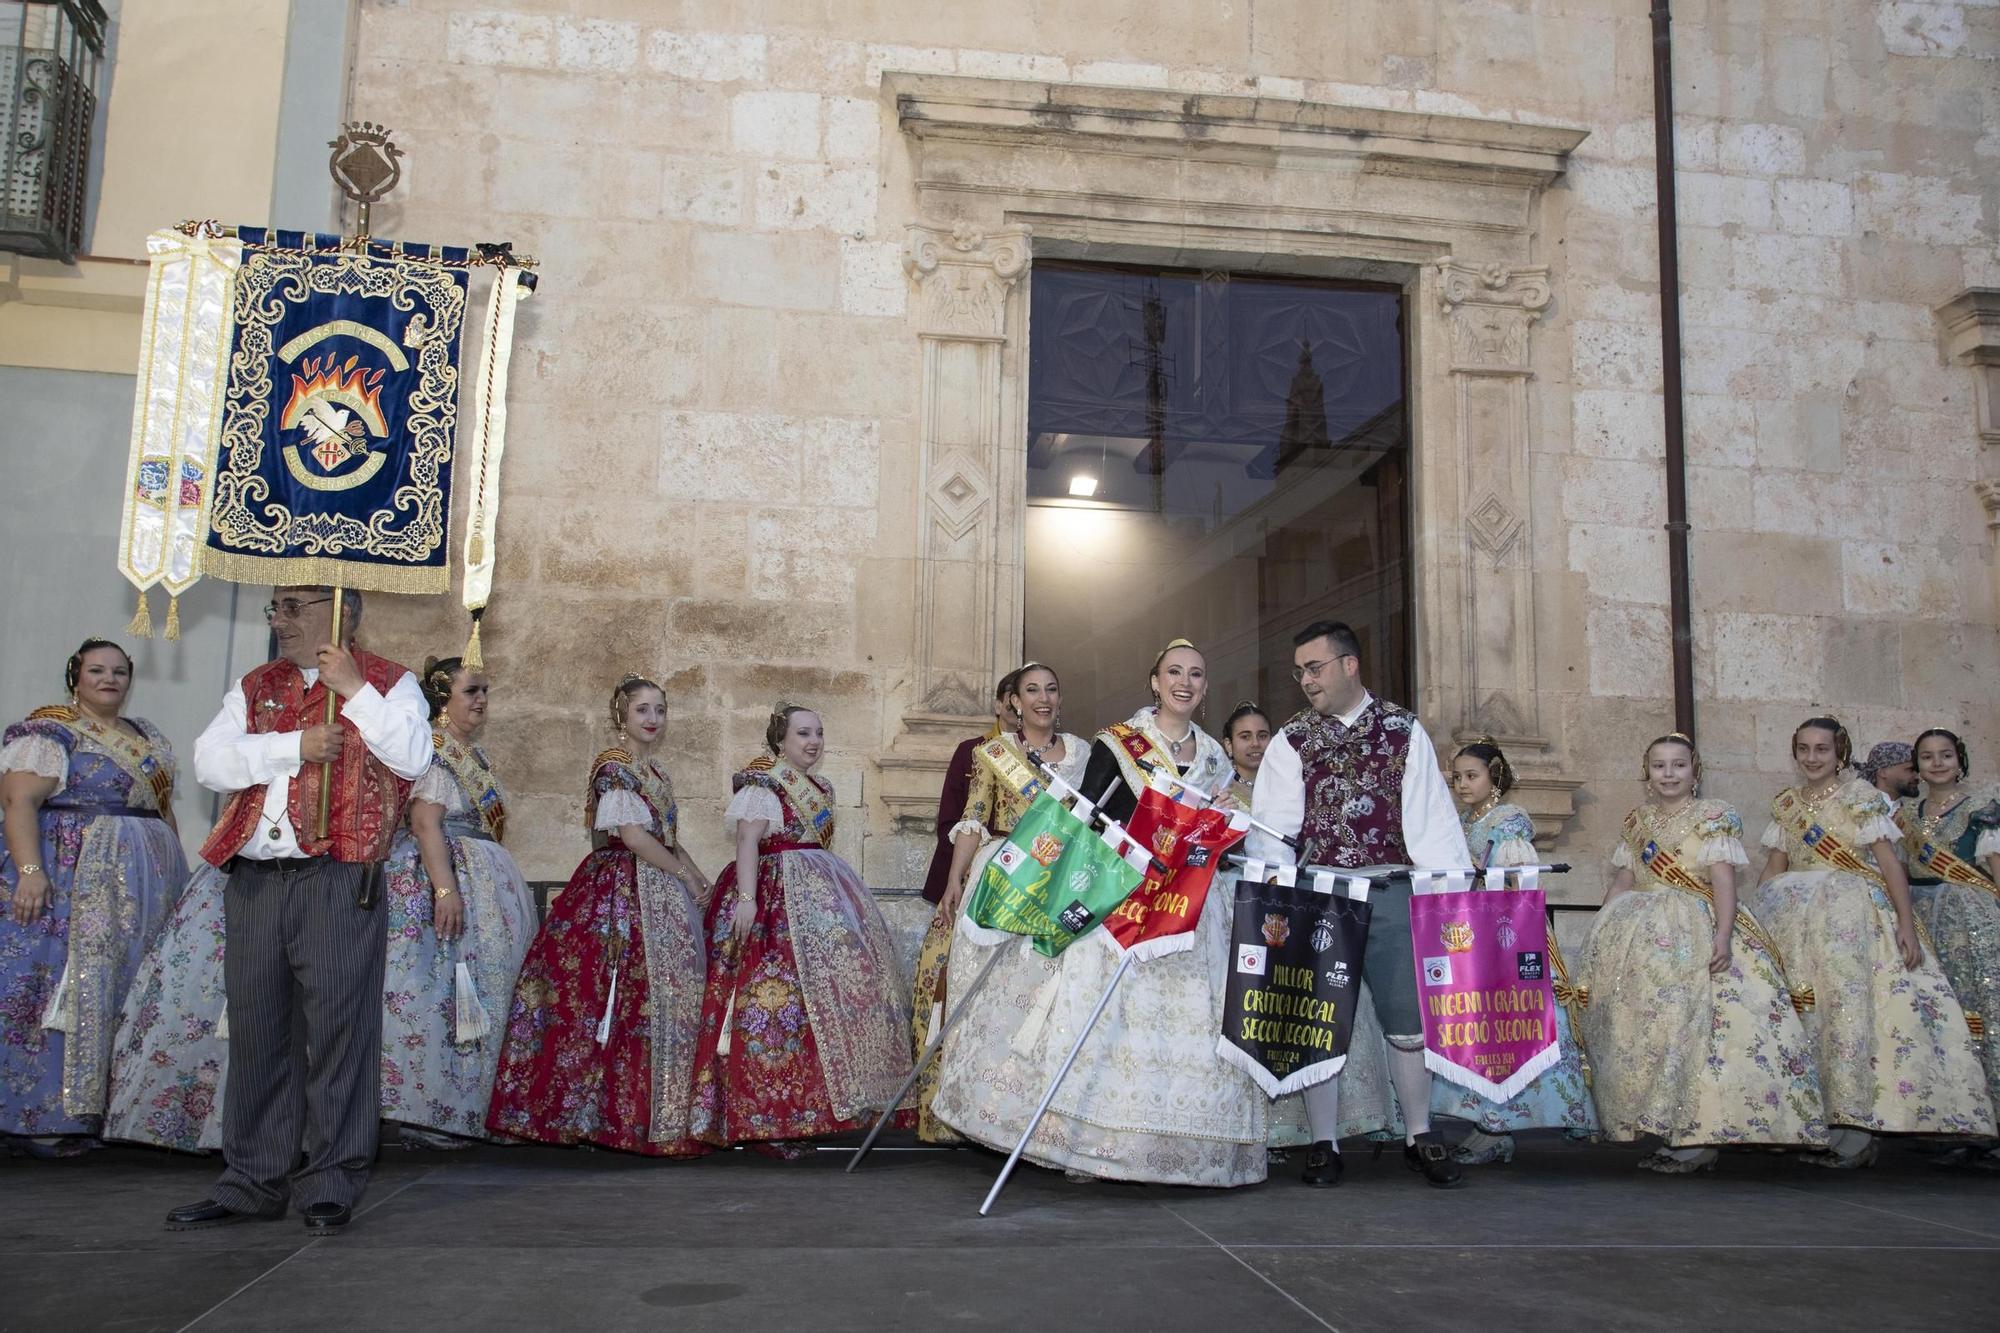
x,y
222,1023
140,626
610,999
173,616
473,660
56,1017
469,1019
728,1017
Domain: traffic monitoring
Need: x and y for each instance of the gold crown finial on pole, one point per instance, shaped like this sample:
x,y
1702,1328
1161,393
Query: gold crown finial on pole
x,y
365,165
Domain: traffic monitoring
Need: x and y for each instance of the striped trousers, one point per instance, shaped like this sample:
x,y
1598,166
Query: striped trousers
x,y
303,970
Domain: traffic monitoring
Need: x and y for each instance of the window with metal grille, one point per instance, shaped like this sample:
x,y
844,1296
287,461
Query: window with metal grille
x,y
51,52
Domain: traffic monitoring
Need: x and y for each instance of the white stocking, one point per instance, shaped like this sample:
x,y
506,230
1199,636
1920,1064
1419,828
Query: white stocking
x,y
1323,1111
1413,1090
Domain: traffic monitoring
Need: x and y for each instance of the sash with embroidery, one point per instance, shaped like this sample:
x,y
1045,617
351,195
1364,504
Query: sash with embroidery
x,y
134,755
475,778
1949,866
1140,759
1004,759
807,799
1825,845
1667,868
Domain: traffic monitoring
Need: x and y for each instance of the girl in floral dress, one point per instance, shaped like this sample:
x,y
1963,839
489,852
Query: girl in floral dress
x,y
805,1023
1953,839
1693,1035
600,1039
91,866
1501,834
1894,1052
460,918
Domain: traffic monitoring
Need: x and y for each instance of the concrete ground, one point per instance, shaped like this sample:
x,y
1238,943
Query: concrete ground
x,y
1567,1237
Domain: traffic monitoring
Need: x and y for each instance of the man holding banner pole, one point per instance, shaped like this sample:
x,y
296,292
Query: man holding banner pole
x,y
1359,779
303,941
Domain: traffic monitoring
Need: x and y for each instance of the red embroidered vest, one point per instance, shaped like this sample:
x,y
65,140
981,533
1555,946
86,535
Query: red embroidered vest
x,y
1354,786
368,799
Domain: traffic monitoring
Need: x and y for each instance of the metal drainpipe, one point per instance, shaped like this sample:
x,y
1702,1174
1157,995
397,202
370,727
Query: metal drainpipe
x,y
1679,597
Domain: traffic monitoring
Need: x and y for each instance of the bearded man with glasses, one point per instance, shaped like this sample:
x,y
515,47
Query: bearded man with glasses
x,y
1360,781
301,936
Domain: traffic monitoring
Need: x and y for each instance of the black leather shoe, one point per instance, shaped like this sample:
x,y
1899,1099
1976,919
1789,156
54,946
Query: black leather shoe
x,y
1323,1166
209,1213
1429,1156
326,1218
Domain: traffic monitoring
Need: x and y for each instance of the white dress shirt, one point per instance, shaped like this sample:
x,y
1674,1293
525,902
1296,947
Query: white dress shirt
x,y
1431,828
229,757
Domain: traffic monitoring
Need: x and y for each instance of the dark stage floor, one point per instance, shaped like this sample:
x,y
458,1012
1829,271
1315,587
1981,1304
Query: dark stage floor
x,y
1568,1237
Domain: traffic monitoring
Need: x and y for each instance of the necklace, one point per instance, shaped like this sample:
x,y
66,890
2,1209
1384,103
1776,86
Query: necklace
x,y
1035,753
1485,807
1173,744
1930,824
1813,800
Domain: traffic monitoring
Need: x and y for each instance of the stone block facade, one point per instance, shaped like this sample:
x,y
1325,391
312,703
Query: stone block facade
x,y
767,422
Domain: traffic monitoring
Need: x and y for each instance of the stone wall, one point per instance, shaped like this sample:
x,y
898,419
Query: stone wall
x,y
718,466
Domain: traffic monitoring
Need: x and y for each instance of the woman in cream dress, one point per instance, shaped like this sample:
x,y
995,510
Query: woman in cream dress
x,y
1691,1027
1894,1051
993,805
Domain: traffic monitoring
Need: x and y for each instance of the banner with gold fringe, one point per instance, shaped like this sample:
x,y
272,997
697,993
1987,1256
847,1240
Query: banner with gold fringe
x,y
340,411
176,416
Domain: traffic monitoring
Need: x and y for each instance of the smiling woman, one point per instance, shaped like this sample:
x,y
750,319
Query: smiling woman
x,y
1217,454
92,864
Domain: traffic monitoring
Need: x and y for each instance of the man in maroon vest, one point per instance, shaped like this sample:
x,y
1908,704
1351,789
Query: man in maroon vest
x,y
304,949
1359,779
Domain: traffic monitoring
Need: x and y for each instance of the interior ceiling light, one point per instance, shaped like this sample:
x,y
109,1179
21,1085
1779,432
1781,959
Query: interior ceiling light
x,y
1083,486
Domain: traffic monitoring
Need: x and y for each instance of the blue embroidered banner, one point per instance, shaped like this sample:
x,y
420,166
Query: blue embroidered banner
x,y
340,411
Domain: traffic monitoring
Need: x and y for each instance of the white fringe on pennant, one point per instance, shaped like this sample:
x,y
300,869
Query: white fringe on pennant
x,y
58,1017
728,1016
222,1023
610,999
470,1018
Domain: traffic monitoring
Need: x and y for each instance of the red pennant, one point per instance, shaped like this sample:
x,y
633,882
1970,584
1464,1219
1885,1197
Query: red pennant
x,y
1160,915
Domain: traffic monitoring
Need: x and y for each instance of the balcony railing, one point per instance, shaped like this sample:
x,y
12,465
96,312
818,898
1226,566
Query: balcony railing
x,y
51,54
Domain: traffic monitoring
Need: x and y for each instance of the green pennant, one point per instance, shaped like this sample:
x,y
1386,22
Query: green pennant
x,y
1053,881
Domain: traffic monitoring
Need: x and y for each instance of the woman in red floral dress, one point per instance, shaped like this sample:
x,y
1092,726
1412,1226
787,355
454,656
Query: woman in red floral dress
x,y
805,1025
600,1041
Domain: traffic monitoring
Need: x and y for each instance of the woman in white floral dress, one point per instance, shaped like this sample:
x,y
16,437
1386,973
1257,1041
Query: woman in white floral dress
x,y
1690,1023
1894,1052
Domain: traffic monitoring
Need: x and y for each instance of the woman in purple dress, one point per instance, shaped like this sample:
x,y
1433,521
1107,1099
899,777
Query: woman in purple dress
x,y
91,865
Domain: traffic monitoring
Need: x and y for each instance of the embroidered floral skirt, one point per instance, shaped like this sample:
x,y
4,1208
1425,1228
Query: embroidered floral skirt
x,y
1691,1057
171,1063
804,1028
603,966
113,879
438,1063
1965,927
1891,1043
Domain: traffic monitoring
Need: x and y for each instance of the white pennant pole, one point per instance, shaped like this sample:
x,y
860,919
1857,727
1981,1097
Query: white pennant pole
x,y
1050,1095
